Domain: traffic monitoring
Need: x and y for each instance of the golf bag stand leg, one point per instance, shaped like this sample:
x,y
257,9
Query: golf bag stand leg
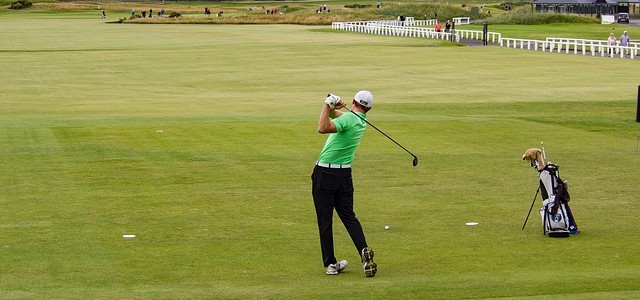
x,y
532,203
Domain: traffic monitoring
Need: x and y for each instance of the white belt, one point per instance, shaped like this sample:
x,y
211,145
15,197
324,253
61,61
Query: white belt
x,y
333,166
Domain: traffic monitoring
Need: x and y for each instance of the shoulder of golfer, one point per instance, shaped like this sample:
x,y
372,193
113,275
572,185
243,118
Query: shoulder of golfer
x,y
324,123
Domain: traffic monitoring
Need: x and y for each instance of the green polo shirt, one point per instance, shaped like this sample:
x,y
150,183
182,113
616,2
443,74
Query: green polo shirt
x,y
340,147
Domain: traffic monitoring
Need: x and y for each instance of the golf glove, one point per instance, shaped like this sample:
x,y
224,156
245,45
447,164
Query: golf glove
x,y
332,100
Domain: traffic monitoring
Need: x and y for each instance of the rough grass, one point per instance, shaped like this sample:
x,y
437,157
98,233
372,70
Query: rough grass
x,y
420,10
305,12
524,16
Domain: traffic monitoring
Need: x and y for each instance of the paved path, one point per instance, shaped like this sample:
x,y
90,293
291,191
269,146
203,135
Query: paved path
x,y
635,22
472,43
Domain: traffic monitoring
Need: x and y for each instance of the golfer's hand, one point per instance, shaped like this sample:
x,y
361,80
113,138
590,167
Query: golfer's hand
x,y
332,100
339,105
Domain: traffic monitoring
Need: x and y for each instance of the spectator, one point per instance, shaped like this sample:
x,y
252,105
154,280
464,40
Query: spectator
x,y
144,13
611,41
438,26
104,15
150,12
133,12
378,4
447,26
624,41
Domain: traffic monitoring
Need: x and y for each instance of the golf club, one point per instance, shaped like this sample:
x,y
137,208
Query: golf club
x,y
415,158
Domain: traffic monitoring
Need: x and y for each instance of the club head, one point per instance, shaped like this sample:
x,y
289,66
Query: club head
x,y
415,161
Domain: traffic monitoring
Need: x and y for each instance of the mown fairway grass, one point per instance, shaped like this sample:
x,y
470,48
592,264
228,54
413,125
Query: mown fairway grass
x,y
200,141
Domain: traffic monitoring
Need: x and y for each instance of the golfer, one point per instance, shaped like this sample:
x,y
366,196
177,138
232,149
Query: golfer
x,y
332,183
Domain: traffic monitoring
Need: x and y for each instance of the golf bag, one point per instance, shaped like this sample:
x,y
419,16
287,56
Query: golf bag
x,y
557,219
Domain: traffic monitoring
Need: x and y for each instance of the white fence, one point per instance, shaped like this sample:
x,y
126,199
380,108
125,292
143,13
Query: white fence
x,y
411,28
493,37
407,22
393,29
374,27
587,42
573,46
462,20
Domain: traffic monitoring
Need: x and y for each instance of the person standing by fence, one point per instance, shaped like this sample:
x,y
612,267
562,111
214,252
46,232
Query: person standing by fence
x,y
624,41
438,26
612,42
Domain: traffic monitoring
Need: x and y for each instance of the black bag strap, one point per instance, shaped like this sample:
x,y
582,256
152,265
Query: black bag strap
x,y
558,185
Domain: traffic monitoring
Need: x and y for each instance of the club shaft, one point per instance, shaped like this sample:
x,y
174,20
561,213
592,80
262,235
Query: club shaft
x,y
376,128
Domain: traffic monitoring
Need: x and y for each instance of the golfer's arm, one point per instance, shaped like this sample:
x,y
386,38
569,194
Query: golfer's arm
x,y
324,124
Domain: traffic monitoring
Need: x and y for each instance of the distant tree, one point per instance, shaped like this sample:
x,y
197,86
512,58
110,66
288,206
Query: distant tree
x,y
20,4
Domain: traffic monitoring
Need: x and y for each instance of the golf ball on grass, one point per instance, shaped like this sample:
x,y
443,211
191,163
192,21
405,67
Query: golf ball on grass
x,y
386,227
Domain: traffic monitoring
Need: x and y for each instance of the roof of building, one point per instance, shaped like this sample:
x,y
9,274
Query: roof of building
x,y
583,2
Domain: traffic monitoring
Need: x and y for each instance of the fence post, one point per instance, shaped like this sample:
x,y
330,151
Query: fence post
x,y
453,30
485,29
638,109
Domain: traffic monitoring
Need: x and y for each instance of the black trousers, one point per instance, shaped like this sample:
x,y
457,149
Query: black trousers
x,y
333,189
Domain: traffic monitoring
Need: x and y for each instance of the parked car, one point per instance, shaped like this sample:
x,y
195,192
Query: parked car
x,y
623,18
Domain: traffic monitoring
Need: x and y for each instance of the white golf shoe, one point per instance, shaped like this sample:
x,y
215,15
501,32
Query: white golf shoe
x,y
334,269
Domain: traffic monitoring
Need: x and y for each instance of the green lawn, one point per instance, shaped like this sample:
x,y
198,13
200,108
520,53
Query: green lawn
x,y
200,140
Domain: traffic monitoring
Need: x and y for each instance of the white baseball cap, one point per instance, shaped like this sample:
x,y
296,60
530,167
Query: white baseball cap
x,y
364,98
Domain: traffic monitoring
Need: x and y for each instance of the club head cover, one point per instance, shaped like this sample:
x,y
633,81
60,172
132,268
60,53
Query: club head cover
x,y
534,157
